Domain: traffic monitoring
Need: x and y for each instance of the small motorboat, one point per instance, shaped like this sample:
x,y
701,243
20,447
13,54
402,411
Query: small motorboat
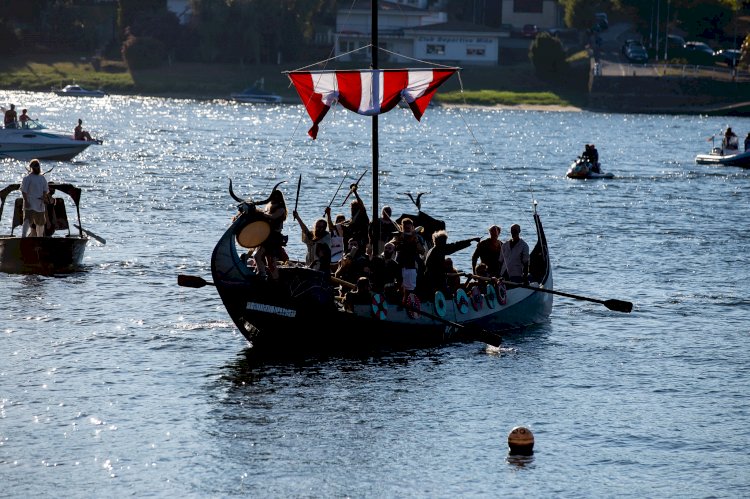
x,y
78,91
256,94
725,156
51,254
583,169
35,141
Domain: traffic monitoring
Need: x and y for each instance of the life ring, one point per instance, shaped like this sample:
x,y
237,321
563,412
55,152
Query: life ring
x,y
477,300
491,296
379,306
462,301
502,294
440,303
413,306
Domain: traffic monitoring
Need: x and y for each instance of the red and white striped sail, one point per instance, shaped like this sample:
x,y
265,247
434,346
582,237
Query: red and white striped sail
x,y
368,91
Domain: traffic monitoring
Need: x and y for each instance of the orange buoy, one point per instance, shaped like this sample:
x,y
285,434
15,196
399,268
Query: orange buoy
x,y
521,441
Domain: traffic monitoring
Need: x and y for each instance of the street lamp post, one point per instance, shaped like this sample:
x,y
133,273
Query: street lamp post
x,y
666,34
656,51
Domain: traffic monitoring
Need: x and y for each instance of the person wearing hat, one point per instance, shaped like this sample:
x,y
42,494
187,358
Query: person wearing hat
x,y
34,189
11,117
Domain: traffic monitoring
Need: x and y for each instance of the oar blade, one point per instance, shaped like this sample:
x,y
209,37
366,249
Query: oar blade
x,y
483,336
191,281
619,305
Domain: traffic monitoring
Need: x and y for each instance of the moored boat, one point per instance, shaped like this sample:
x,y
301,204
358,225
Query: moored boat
x,y
78,91
51,254
35,141
256,95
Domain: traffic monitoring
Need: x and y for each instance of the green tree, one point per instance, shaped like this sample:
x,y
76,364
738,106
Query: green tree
x,y
548,56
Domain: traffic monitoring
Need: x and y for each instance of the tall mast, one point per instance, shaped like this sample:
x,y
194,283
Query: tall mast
x,y
375,214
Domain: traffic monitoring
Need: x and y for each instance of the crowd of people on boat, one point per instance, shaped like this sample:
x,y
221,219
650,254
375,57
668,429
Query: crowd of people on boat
x,y
399,264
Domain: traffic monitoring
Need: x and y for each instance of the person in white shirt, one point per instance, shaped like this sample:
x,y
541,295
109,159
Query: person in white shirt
x,y
34,188
514,257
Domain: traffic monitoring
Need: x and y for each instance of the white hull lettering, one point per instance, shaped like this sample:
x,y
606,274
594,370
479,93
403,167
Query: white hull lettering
x,y
270,309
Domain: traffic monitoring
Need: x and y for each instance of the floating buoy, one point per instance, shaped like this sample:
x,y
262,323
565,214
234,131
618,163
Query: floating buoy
x,y
521,441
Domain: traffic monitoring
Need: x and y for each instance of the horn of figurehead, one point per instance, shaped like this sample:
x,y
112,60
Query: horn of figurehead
x,y
269,197
234,196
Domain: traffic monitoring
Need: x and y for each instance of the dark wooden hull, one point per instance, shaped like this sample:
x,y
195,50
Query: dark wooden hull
x,y
299,312
41,255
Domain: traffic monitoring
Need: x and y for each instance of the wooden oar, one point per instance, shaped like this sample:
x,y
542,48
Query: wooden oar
x,y
89,233
616,305
192,281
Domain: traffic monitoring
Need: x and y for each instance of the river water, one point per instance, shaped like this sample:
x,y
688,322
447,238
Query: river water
x,y
115,381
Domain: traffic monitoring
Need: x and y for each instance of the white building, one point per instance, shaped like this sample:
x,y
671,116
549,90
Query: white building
x,y
418,33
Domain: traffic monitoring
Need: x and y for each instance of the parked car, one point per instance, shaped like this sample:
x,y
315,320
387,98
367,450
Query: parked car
x,y
529,31
730,57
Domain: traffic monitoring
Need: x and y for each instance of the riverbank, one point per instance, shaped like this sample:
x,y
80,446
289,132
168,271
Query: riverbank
x,y
499,85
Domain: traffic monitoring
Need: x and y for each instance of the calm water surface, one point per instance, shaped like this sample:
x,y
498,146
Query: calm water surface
x,y
115,381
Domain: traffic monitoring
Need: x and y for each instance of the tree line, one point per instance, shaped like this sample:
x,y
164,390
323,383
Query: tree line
x,y
146,34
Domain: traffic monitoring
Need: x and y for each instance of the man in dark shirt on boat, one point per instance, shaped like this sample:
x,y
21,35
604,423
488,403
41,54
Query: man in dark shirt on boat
x,y
488,252
435,273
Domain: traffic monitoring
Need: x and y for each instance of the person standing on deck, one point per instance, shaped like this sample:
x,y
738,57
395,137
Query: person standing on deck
x,y
34,188
488,252
514,257
271,249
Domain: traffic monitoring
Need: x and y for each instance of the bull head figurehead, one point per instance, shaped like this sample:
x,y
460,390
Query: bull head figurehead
x,y
250,231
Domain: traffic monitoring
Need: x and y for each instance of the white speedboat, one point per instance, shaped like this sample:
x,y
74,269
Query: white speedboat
x,y
36,141
256,95
78,91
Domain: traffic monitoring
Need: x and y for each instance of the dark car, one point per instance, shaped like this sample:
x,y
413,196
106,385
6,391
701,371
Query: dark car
x,y
630,42
637,53
698,53
529,31
730,57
